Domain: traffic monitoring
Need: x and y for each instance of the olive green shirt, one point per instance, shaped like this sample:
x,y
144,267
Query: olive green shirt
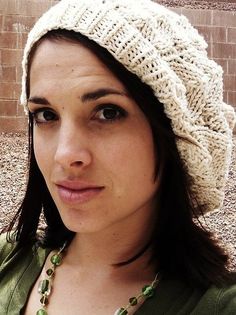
x,y
19,270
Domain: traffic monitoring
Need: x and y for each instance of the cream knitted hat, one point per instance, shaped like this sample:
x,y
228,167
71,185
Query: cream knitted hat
x,y
169,55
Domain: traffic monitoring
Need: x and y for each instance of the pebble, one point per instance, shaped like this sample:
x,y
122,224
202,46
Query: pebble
x,y
200,4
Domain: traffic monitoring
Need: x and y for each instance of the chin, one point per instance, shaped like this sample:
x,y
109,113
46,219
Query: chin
x,y
83,228
79,224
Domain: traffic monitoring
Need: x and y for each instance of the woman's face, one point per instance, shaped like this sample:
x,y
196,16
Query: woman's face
x,y
92,143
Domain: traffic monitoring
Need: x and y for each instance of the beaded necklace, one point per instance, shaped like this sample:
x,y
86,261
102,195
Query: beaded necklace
x,y
45,287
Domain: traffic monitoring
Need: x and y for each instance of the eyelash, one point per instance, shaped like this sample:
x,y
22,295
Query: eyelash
x,y
120,113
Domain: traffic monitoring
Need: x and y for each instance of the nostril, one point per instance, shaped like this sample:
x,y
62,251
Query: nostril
x,y
77,163
73,156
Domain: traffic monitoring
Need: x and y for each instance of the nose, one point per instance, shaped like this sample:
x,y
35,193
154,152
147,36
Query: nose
x,y
72,150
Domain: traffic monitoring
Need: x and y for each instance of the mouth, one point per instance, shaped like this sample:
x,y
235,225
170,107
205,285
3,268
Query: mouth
x,y
73,193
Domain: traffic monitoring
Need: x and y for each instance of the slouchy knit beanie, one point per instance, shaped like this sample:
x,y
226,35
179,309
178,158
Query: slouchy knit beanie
x,y
168,54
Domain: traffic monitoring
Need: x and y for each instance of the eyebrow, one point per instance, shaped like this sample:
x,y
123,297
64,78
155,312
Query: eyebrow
x,y
101,93
90,96
39,100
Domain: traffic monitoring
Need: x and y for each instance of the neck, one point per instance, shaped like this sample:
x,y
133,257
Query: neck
x,y
101,258
108,249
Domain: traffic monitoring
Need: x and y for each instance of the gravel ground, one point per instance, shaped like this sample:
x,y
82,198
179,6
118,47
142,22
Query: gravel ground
x,y
13,170
200,4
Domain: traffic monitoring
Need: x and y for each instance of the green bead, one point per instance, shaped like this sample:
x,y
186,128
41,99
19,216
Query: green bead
x,y
148,291
44,287
41,312
133,301
49,272
56,259
122,311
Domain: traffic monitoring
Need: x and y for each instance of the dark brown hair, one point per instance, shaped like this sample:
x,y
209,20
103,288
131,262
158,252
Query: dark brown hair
x,y
181,247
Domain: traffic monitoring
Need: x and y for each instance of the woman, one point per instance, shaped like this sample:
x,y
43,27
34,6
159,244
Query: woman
x,y
129,142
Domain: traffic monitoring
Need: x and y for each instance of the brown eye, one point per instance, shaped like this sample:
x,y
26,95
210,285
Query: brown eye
x,y
44,116
47,115
110,113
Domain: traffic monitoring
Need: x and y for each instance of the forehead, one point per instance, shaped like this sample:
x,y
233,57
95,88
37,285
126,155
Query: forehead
x,y
62,60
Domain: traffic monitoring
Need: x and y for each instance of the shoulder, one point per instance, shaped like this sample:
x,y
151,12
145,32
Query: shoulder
x,y
186,300
19,268
6,247
218,301
11,253
226,302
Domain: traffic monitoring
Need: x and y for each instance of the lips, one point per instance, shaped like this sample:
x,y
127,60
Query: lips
x,y
74,192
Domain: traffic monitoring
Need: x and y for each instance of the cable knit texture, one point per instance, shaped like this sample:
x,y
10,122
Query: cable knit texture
x,y
168,54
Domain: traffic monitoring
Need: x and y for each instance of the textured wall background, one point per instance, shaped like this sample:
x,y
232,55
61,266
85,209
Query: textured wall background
x,y
17,17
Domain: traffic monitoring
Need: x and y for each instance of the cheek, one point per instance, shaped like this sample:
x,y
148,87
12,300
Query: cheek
x,y
132,178
43,154
131,163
